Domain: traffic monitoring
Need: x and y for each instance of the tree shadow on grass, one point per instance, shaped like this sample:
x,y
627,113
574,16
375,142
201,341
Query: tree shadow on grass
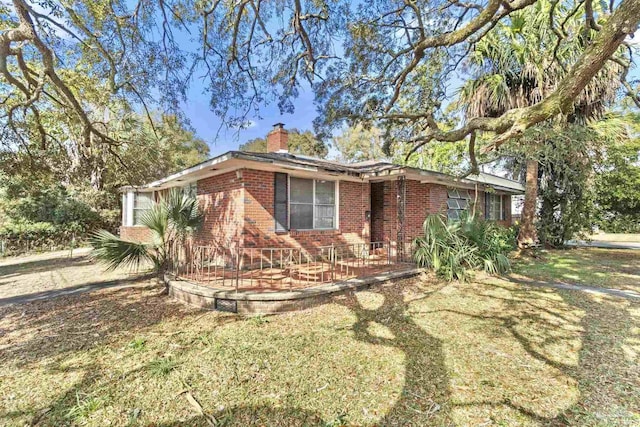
x,y
425,398
16,268
608,382
422,401
58,327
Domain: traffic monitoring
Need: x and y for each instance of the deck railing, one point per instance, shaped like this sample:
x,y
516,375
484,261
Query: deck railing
x,y
286,268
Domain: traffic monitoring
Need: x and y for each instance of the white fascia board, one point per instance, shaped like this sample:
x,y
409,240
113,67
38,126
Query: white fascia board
x,y
235,160
182,175
498,182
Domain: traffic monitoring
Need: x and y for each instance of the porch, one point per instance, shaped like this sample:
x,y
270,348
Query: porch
x,y
265,270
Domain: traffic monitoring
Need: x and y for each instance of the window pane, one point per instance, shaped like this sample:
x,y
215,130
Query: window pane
x,y
464,194
325,192
143,200
301,216
453,204
324,223
301,191
453,214
138,214
324,216
453,194
190,190
464,204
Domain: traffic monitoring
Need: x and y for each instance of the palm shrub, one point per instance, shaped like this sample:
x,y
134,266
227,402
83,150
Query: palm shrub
x,y
171,221
453,249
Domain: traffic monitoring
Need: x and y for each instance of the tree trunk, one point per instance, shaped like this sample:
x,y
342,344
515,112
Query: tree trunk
x,y
528,235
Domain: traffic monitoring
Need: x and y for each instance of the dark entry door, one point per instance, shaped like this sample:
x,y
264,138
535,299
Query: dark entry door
x,y
377,212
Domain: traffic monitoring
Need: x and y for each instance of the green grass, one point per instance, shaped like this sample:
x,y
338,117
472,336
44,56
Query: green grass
x,y
414,353
163,366
83,408
138,344
609,268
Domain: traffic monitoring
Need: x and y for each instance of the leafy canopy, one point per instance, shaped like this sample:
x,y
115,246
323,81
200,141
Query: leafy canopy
x,y
383,62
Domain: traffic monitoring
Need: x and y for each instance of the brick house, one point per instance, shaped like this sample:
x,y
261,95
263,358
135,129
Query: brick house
x,y
277,199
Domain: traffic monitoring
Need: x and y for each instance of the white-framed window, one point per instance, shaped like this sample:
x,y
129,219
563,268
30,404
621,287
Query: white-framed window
x,y
312,204
494,206
457,201
142,202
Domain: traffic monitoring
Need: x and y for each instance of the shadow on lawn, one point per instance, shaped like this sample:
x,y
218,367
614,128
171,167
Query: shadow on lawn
x,y
43,265
585,265
425,397
604,392
60,326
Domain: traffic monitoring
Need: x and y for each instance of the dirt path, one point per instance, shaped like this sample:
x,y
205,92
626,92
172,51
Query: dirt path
x,y
43,276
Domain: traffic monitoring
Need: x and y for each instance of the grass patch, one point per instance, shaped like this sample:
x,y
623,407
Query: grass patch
x,y
83,407
138,344
414,353
609,268
162,367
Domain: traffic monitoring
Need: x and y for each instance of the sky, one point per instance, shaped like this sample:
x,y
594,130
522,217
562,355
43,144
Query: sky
x,y
220,140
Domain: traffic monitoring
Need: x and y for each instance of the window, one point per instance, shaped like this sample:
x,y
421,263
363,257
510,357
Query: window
x,y
312,204
142,202
457,201
493,207
190,190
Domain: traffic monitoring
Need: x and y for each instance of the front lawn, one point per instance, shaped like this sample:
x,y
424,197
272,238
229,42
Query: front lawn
x,y
609,268
414,353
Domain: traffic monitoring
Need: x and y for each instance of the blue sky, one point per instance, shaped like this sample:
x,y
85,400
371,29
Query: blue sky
x,y
220,140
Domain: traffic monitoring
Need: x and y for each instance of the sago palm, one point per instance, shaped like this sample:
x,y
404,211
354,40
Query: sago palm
x,y
170,221
520,62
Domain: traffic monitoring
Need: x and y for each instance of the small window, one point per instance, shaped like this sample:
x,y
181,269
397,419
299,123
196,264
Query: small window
x,y
142,202
457,201
312,204
494,207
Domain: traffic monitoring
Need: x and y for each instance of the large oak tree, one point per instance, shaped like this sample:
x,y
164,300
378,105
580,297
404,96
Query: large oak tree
x,y
385,61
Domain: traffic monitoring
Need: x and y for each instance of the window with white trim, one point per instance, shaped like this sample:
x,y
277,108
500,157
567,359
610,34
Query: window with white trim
x,y
494,207
142,203
312,204
457,201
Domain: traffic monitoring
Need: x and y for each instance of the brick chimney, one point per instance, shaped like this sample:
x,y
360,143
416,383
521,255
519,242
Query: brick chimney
x,y
277,139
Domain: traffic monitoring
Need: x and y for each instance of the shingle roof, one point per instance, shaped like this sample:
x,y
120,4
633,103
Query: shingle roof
x,y
368,168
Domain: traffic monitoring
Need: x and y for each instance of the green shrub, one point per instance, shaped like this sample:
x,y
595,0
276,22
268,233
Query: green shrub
x,y
454,249
620,224
23,236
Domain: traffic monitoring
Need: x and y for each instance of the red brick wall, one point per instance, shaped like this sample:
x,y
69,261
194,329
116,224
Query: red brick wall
x,y
259,227
238,209
421,200
135,233
221,199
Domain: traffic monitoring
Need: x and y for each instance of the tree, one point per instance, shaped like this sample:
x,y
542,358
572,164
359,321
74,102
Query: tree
x,y
69,189
617,182
365,61
357,144
300,142
514,69
171,221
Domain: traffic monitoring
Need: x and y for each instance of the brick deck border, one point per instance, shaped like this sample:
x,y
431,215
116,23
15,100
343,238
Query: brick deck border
x,y
250,302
